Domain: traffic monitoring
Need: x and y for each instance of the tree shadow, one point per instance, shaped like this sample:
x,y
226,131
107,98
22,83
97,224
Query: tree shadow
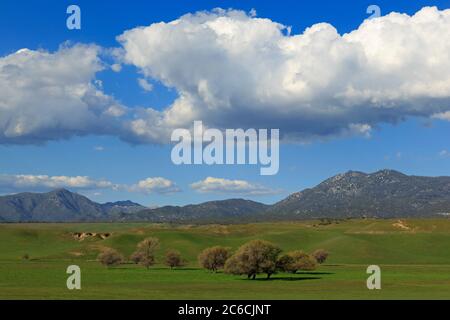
x,y
285,279
314,273
169,269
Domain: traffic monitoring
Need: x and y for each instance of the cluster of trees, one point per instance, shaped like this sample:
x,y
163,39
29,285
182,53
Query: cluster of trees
x,y
144,255
259,256
252,258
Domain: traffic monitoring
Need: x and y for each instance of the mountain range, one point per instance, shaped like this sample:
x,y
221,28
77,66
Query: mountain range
x,y
60,205
354,194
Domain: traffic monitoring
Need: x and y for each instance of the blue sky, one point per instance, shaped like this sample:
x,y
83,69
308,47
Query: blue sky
x,y
414,145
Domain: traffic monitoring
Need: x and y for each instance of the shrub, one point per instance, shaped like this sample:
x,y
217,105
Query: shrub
x,y
213,258
174,259
296,260
285,263
110,257
320,255
136,257
306,263
147,261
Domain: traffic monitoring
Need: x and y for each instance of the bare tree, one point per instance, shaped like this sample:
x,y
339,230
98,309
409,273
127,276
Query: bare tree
x,y
320,255
136,257
213,258
174,259
253,258
110,257
145,252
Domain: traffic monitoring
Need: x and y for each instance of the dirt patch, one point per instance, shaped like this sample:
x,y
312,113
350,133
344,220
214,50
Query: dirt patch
x,y
138,231
80,236
368,232
401,225
77,253
223,230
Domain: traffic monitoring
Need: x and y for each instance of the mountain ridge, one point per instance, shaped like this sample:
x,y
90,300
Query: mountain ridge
x,y
354,194
59,205
383,194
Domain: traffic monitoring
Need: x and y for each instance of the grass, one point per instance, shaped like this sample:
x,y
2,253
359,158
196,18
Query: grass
x,y
415,261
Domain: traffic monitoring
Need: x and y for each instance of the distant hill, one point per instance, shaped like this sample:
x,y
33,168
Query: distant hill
x,y
58,206
383,194
63,206
119,207
231,210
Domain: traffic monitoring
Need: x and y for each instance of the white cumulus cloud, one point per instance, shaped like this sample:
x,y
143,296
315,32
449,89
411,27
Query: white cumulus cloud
x,y
28,182
220,185
11,183
236,70
46,96
116,67
155,185
232,70
144,84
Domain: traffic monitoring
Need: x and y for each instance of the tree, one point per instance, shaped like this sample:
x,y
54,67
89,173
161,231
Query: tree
x,y
136,257
253,258
285,263
296,260
174,259
306,263
145,252
110,257
320,255
213,258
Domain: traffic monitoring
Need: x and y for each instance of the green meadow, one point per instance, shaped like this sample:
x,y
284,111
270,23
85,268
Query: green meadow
x,y
414,256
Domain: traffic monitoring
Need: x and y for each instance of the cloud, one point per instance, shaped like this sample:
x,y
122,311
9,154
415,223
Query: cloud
x,y
442,116
236,70
444,153
220,185
116,67
47,96
144,84
154,185
27,182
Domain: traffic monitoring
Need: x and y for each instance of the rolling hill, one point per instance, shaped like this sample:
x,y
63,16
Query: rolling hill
x,y
231,210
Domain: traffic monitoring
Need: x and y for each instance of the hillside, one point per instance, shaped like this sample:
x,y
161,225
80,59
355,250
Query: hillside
x,y
231,210
413,255
58,206
383,194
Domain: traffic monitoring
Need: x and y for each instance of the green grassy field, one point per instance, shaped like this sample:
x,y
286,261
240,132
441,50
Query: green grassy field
x,y
414,257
